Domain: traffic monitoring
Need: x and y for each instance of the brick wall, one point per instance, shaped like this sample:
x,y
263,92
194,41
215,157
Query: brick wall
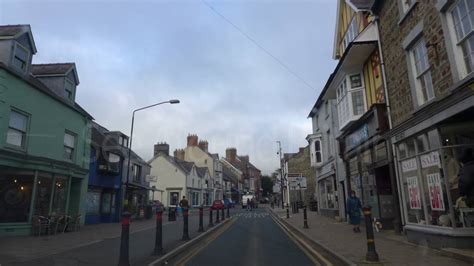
x,y
392,35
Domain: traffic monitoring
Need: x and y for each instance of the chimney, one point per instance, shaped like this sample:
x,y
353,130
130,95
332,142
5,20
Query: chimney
x,y
179,154
244,158
204,145
192,140
231,154
301,150
163,148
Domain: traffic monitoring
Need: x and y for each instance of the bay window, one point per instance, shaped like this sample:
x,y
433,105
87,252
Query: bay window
x,y
462,14
350,99
318,151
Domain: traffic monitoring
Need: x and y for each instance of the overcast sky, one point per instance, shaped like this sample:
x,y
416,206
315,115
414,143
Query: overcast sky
x,y
233,94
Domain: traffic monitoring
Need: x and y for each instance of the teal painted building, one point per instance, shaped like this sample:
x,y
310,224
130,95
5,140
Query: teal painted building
x,y
44,136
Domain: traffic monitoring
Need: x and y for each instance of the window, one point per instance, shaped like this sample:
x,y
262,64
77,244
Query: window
x,y
351,33
17,128
317,149
136,170
423,84
123,141
20,57
350,99
69,89
463,20
69,146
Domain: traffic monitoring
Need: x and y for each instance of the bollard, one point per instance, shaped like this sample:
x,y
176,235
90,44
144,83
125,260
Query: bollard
x,y
159,232
228,212
371,252
201,213
185,224
305,215
124,240
211,222
217,216
223,213
287,213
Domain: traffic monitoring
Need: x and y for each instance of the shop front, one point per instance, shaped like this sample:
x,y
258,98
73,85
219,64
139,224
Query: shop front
x,y
328,198
366,155
430,163
26,193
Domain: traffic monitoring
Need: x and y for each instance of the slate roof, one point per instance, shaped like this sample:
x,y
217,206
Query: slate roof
x,y
362,4
201,171
187,167
51,69
228,175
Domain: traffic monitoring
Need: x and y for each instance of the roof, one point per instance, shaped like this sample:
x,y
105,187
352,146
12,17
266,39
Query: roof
x,y
187,167
36,83
361,5
201,171
228,175
55,69
14,31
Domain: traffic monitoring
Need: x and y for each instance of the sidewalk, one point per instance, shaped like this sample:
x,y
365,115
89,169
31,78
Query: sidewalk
x,y
25,248
338,236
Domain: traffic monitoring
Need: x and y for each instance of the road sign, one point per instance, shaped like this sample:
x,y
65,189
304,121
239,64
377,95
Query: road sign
x,y
297,181
151,178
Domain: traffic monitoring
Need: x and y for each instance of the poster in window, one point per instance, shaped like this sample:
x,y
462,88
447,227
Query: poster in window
x,y
414,193
435,192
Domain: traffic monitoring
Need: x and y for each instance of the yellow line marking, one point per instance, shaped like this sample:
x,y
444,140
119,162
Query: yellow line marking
x,y
186,258
307,249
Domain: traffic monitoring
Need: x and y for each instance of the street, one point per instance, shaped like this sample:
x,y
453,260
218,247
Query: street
x,y
255,239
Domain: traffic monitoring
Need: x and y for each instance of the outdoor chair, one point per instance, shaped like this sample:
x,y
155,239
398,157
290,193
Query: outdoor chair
x,y
74,222
58,223
40,224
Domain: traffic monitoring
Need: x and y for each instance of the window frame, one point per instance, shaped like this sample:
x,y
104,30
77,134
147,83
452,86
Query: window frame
x,y
346,100
74,149
28,56
418,88
70,94
320,151
27,129
136,177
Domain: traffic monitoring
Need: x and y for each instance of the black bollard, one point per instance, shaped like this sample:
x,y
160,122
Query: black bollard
x,y
211,222
228,212
201,213
217,216
371,252
287,213
185,224
305,216
124,240
159,232
223,213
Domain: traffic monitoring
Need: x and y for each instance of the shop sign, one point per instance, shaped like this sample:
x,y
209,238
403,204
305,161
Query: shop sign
x,y
414,193
435,192
357,137
430,159
409,165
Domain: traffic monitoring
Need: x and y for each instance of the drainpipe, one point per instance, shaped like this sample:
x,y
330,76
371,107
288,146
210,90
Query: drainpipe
x,y
398,221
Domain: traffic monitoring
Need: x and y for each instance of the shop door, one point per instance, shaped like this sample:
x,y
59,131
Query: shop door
x,y
384,191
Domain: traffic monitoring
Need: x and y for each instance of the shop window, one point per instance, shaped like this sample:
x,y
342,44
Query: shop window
x,y
60,195
15,196
43,194
328,194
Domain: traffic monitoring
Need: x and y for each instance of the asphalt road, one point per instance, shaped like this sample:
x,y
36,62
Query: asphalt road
x,y
253,239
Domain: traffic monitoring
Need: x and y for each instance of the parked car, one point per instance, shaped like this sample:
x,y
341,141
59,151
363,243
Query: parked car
x,y
229,203
217,205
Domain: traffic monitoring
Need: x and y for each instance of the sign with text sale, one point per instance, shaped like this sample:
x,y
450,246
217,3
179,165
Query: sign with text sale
x,y
414,193
435,192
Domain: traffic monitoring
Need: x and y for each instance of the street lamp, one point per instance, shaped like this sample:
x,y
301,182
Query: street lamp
x,y
174,101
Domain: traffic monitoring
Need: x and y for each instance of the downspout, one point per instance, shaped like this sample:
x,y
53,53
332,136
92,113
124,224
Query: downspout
x,y
398,223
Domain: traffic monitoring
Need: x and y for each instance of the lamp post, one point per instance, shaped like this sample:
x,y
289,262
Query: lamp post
x,y
281,174
130,143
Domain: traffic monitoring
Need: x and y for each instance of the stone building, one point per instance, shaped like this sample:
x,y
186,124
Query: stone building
x,y
428,51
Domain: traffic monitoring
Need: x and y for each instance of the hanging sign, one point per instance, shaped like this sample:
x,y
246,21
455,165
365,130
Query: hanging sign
x,y
430,159
409,165
436,192
414,193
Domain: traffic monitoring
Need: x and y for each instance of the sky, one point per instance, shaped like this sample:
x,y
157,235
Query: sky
x,y
245,78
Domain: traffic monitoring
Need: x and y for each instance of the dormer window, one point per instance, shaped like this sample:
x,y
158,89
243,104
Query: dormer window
x,y
20,57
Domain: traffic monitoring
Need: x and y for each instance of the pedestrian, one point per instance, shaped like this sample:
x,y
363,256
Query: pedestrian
x,y
248,205
354,207
184,203
466,177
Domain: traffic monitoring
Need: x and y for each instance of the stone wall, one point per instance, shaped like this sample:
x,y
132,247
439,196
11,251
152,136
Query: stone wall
x,y
300,163
392,35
